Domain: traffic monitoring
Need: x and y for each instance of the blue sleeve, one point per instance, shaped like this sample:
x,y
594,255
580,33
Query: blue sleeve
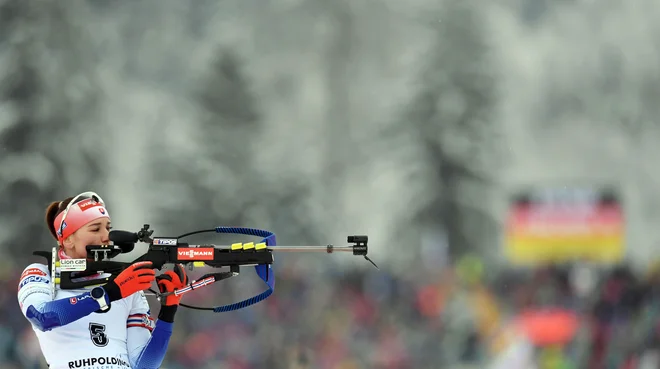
x,y
153,354
52,314
147,341
35,297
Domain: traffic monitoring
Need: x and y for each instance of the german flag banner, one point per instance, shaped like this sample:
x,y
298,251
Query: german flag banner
x,y
554,225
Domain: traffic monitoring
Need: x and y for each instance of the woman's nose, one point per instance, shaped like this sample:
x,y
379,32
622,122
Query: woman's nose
x,y
105,236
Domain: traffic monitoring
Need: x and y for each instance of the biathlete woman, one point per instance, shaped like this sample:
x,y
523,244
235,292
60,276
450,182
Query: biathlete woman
x,y
104,327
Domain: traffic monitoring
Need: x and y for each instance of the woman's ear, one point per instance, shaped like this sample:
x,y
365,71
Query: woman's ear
x,y
68,243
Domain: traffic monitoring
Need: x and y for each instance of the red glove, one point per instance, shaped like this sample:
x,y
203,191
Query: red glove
x,y
170,281
137,277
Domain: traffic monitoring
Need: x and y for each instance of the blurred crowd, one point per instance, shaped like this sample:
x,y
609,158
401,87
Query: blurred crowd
x,y
459,317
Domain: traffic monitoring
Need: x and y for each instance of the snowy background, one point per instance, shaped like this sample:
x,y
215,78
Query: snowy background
x,y
412,122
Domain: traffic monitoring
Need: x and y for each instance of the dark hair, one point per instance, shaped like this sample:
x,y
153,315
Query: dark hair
x,y
54,209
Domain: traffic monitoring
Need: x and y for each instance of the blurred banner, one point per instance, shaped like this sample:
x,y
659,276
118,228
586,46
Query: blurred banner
x,y
564,224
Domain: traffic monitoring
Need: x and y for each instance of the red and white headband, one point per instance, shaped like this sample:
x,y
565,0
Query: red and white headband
x,y
77,214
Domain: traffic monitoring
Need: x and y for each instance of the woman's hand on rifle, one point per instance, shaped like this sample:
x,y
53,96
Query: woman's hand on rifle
x,y
171,281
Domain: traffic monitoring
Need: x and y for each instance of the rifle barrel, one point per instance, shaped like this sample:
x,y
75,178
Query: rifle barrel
x,y
311,248
326,249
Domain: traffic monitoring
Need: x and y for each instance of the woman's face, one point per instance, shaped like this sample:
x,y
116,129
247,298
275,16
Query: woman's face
x,y
95,232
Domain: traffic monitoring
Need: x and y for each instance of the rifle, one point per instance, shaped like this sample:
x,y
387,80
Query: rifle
x,y
99,268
